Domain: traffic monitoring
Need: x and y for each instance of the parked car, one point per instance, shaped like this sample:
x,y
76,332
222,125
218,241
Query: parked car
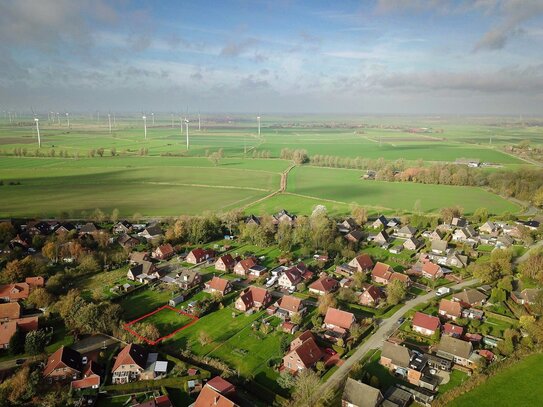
x,y
19,361
330,351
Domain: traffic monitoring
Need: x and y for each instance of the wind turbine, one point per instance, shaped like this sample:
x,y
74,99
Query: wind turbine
x,y
68,119
114,121
58,118
187,131
258,121
145,125
199,122
9,113
109,120
172,120
38,130
153,116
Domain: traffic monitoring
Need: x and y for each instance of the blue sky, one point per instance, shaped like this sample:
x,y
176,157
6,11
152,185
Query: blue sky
x,y
382,56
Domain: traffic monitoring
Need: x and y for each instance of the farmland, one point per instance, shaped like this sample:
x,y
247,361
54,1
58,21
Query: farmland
x,y
517,385
160,177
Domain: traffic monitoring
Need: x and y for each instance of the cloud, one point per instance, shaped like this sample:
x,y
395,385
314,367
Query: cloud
x,y
234,49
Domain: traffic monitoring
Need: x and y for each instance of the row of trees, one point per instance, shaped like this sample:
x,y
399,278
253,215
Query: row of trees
x,y
298,156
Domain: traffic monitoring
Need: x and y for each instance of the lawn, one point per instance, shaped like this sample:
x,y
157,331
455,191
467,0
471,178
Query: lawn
x,y
518,385
143,301
345,186
166,320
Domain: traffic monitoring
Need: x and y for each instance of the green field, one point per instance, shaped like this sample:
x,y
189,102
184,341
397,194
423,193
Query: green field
x,y
345,186
518,385
160,184
166,321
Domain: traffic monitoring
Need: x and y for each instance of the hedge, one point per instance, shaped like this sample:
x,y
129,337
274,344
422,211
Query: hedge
x,y
147,385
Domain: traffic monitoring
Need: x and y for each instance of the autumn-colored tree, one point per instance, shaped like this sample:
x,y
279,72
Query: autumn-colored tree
x,y
50,250
40,298
326,301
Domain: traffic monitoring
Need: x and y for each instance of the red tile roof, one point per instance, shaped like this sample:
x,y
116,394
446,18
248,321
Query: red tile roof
x,y
63,357
382,270
35,281
218,284
451,329
210,398
451,308
431,268
221,385
308,352
17,291
228,260
342,319
426,321
85,383
10,310
247,263
324,284
290,303
404,278
364,261
131,355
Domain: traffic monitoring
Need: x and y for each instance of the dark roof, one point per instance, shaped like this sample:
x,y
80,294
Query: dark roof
x,y
399,355
67,356
456,347
132,354
361,394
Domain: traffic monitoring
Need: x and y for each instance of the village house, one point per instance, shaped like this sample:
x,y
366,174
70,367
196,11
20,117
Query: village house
x,y
489,227
134,363
413,243
380,222
287,306
65,228
9,311
399,361
358,394
123,226
11,327
526,296
381,273
470,298
253,298
354,236
164,252
466,235
450,309
284,216
92,377
153,232
338,323
243,266
437,234
381,238
138,257
217,392
453,330
199,255
439,247
425,324
225,263
459,222
127,241
431,271
304,353
89,229
347,225
456,350
290,278
139,271
218,285
407,232
63,366
252,220
188,278
371,296
362,263
324,285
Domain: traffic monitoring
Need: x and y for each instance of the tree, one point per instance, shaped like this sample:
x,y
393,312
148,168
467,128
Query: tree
x,y
305,389
35,342
532,267
40,298
284,343
296,318
396,291
359,214
204,338
285,237
215,158
16,342
115,215
447,214
481,215
326,301
147,330
22,386
50,250
286,380
88,264
498,295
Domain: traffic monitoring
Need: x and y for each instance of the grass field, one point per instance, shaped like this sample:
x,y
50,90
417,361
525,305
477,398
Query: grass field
x,y
345,186
518,385
166,321
142,302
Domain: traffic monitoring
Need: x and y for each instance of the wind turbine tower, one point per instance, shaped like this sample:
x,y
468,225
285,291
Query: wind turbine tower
x,y
38,131
258,120
109,120
145,125
9,113
58,118
199,123
187,131
153,116
68,119
172,120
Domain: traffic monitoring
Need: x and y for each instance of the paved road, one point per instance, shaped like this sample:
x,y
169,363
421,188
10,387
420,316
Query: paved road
x,y
376,340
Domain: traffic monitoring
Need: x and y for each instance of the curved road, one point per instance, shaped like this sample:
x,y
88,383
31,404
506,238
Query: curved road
x,y
376,340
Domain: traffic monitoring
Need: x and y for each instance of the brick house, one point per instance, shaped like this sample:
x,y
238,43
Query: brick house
x,y
164,252
431,271
338,321
287,306
371,296
450,309
324,285
253,297
199,255
63,366
290,278
304,353
243,266
129,364
218,285
225,263
425,324
362,262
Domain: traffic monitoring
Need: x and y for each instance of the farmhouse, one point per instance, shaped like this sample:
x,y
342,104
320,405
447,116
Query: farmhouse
x,y
88,229
218,285
450,309
253,298
488,227
138,257
225,263
63,366
425,324
358,394
324,285
243,266
252,220
164,252
354,236
284,216
199,255
338,322
304,353
361,263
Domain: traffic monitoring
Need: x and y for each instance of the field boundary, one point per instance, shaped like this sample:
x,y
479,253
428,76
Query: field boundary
x,y
127,325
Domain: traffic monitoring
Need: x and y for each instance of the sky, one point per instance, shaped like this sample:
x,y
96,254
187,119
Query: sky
x,y
346,57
